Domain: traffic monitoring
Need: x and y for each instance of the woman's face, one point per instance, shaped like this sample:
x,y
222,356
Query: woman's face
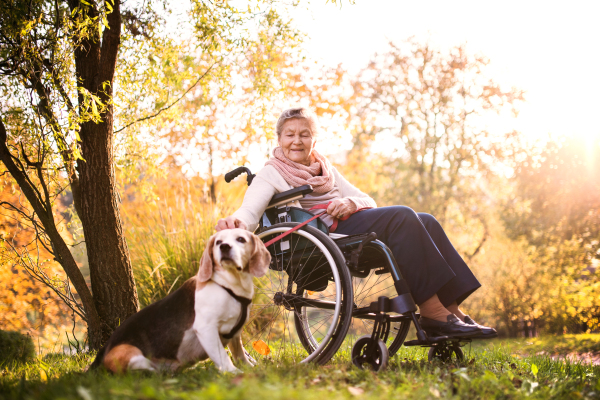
x,y
297,141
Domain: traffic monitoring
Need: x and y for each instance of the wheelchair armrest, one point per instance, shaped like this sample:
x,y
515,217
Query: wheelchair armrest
x,y
290,195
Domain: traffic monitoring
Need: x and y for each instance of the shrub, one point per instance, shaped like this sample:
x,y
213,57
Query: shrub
x,y
15,347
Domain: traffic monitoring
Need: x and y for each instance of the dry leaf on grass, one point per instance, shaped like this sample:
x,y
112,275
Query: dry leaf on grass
x,y
355,391
261,347
237,380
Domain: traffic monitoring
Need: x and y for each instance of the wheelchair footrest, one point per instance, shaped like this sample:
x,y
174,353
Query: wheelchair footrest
x,y
431,340
438,340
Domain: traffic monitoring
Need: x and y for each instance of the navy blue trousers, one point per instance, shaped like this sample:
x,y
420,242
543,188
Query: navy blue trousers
x,y
427,260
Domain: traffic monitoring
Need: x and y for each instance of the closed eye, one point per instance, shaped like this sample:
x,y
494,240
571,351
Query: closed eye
x,y
241,240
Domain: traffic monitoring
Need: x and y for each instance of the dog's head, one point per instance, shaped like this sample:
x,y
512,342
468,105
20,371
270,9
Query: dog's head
x,y
235,250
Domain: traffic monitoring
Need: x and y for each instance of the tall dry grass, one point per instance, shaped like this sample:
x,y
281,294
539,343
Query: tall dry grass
x,y
167,230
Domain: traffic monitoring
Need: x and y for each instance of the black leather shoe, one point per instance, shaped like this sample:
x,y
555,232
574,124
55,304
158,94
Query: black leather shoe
x,y
486,331
454,327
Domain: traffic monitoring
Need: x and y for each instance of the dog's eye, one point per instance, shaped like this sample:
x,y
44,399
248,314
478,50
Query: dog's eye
x,y
241,240
219,242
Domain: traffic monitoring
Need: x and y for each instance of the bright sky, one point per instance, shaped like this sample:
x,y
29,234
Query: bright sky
x,y
550,49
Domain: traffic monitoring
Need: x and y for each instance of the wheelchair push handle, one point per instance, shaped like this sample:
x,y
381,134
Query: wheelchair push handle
x,y
231,175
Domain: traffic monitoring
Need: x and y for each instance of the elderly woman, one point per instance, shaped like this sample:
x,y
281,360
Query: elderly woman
x,y
438,277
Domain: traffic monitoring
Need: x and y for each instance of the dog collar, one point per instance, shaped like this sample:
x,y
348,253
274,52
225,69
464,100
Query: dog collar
x,y
244,303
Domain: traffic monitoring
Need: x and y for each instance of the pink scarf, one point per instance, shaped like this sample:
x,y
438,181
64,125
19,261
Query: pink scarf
x,y
318,174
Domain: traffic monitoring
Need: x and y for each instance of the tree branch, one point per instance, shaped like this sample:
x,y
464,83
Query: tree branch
x,y
170,105
111,39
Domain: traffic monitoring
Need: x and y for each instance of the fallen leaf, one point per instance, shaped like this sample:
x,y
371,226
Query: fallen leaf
x,y
237,380
43,375
534,370
355,391
84,393
434,392
261,347
517,382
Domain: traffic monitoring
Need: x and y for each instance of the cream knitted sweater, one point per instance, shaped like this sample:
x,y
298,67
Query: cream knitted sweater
x,y
269,182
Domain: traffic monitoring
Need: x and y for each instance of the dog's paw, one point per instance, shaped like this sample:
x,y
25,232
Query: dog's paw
x,y
249,359
234,371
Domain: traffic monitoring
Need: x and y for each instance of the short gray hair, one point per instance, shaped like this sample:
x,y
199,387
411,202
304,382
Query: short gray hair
x,y
299,113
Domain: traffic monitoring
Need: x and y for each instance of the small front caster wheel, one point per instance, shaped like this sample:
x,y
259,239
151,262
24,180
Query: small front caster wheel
x,y
363,354
446,353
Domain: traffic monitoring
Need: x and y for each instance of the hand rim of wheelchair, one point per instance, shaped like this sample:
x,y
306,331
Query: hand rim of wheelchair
x,y
274,229
359,358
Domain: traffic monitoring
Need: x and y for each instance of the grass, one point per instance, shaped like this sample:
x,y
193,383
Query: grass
x,y
493,369
554,345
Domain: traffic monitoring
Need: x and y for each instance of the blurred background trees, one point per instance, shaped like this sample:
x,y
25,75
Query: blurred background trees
x,y
416,126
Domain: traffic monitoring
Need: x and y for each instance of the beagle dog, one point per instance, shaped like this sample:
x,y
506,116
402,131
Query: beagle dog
x,y
197,320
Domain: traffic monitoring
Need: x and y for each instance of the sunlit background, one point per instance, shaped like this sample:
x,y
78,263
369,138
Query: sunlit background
x,y
550,49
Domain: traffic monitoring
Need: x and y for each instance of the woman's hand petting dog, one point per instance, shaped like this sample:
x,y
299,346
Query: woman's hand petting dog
x,y
230,223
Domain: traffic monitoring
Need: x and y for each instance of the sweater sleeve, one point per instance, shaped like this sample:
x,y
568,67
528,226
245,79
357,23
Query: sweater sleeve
x,y
352,193
255,201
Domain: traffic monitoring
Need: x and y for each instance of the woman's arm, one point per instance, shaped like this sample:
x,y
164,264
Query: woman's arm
x,y
352,193
265,185
352,198
255,202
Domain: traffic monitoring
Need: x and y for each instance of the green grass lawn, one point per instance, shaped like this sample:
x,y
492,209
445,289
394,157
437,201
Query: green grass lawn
x,y
502,369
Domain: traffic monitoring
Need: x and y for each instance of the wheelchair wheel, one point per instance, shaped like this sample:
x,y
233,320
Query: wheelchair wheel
x,y
377,360
302,307
446,353
367,290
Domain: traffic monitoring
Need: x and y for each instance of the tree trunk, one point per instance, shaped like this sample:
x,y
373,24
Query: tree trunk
x,y
113,286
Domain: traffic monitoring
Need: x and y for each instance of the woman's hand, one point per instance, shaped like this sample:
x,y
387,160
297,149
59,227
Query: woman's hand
x,y
340,208
230,223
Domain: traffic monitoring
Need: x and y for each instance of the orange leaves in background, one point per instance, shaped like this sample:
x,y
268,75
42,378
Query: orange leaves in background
x,y
26,305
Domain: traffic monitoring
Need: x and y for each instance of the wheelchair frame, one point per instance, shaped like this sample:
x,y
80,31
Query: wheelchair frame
x,y
363,253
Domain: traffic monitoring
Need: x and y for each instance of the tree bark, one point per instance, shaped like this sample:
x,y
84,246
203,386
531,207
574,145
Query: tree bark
x,y
113,286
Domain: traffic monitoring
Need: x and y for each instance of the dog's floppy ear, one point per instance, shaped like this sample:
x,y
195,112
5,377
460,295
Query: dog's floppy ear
x,y
260,258
206,262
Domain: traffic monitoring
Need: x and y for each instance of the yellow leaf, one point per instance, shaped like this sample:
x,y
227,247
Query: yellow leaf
x,y
261,347
43,375
310,292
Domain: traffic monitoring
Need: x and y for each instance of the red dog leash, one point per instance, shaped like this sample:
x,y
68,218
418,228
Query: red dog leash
x,y
294,229
317,207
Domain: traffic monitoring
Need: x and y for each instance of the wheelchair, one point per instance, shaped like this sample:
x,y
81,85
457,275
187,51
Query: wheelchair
x,y
323,288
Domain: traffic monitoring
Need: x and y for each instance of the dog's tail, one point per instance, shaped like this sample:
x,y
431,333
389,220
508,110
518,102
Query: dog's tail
x,y
98,360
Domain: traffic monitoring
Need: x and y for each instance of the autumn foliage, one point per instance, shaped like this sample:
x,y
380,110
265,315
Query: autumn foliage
x,y
26,304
